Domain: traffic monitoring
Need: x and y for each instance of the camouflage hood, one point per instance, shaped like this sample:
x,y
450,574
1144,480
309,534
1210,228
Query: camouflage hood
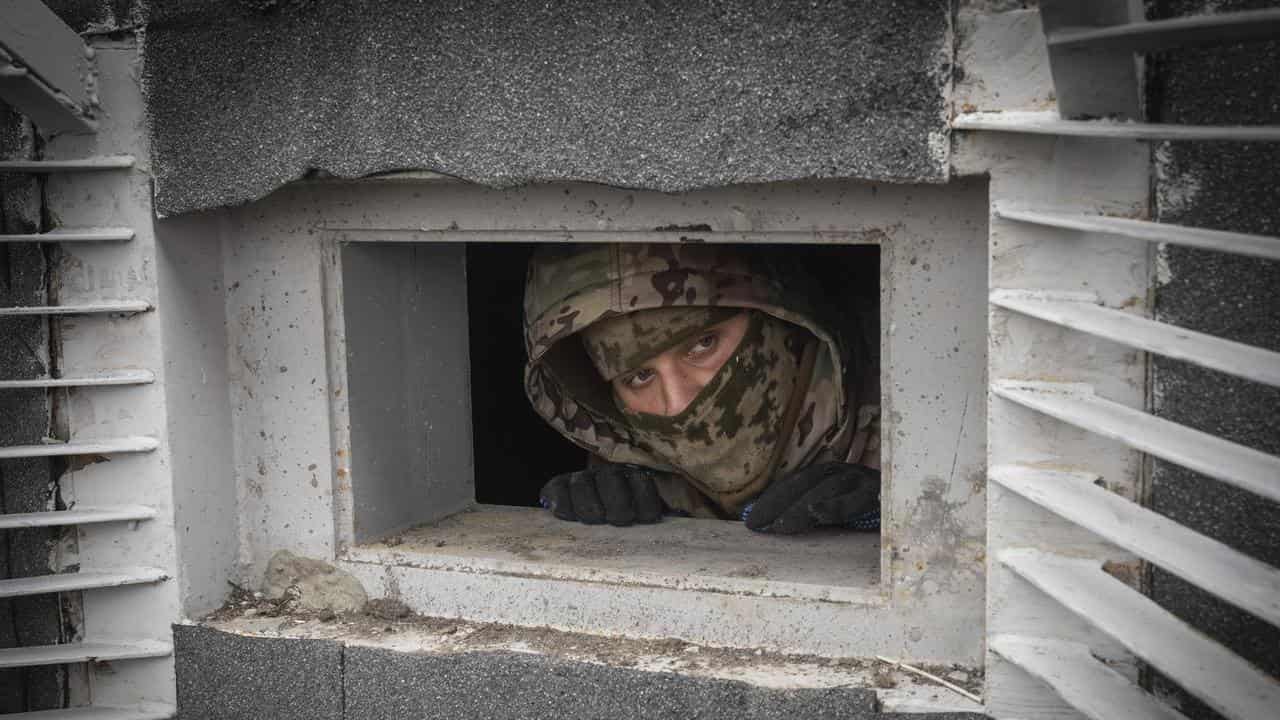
x,y
570,288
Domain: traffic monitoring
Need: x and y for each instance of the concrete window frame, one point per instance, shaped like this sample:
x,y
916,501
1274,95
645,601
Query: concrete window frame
x,y
927,601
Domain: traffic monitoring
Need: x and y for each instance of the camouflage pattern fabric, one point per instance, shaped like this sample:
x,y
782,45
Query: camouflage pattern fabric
x,y
729,440
572,287
622,343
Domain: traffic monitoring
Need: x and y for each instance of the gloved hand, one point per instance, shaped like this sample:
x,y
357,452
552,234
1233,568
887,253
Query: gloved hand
x,y
831,493
610,492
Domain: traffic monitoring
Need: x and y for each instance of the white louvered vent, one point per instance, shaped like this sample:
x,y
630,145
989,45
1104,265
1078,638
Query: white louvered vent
x,y
1067,625
118,483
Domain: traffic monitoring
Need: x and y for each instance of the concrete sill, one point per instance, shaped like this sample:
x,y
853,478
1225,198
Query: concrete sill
x,y
682,554
417,649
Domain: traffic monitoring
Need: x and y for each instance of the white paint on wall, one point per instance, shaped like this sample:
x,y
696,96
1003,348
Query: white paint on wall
x,y
278,384
192,296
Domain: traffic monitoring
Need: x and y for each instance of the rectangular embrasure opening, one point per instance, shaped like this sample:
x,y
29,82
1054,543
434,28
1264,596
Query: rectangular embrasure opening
x,y
448,456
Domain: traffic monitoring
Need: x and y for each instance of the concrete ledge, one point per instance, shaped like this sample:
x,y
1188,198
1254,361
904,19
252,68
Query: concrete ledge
x,y
391,665
679,553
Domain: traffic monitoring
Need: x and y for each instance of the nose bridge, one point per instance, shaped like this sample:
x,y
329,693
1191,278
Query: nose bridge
x,y
679,386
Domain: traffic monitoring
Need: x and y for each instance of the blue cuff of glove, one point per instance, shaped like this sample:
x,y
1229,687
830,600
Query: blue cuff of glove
x,y
866,521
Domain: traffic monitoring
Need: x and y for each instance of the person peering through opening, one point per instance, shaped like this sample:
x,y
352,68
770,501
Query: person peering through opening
x,y
705,380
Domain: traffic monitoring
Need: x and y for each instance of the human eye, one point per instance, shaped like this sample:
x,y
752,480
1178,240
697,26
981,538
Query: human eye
x,y
639,378
703,345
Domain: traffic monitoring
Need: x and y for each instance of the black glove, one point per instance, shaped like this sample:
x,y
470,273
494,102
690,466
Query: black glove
x,y
831,493
613,493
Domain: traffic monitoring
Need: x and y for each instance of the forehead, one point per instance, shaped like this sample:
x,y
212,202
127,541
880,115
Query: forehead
x,y
620,344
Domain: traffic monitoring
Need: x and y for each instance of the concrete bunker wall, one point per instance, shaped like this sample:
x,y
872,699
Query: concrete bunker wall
x,y
279,287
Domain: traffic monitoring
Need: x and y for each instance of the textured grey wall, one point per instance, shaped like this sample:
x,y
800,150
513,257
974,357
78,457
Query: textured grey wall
x,y
1224,186
661,94
24,419
224,675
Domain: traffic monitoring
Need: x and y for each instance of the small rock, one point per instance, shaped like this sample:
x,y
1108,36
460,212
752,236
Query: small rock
x,y
319,585
759,651
250,612
958,676
692,649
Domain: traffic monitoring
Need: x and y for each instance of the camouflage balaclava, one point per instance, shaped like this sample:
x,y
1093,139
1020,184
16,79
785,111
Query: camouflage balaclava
x,y
730,438
806,417
622,343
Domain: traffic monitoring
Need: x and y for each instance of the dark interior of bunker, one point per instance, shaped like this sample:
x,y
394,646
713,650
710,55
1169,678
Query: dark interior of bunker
x,y
515,450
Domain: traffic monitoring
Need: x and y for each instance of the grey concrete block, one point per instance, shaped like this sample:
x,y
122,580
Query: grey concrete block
x,y
245,96
223,675
386,684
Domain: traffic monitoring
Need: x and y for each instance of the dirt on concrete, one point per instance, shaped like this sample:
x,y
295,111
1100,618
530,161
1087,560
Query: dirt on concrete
x,y
388,622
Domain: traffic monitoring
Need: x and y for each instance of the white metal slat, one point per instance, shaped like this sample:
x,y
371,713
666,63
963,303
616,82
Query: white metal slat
x,y
1203,561
1092,81
47,108
1215,29
1088,685
106,446
96,234
82,652
121,377
1217,676
1208,454
77,516
1038,122
1262,246
1235,358
35,38
127,306
83,580
141,712
89,164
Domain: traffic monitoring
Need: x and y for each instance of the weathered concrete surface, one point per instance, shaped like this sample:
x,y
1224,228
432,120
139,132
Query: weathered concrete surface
x,y
385,684
246,96
24,418
1224,186
227,675
221,675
